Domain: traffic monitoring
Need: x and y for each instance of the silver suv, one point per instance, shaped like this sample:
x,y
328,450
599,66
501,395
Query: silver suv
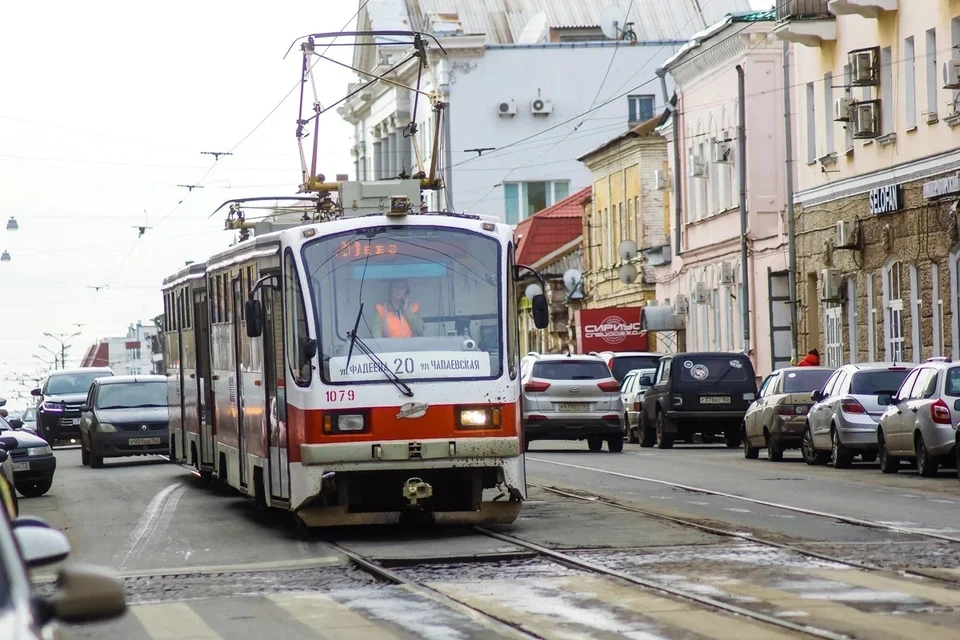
x,y
920,423
571,397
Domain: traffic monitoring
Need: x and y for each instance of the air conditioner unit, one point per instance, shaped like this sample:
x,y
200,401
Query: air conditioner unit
x,y
700,293
830,285
680,305
865,66
507,109
847,232
866,119
931,117
697,168
951,74
541,107
661,179
841,110
723,152
726,273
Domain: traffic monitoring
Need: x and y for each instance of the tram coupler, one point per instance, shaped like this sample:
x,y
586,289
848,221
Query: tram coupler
x,y
415,490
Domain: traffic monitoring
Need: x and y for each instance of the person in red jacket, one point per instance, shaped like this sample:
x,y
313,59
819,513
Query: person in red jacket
x,y
812,359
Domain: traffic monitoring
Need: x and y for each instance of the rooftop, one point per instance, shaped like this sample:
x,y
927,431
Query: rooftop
x,y
645,129
548,230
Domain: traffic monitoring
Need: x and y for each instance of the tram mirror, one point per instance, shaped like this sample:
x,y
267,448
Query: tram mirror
x,y
309,349
253,311
541,313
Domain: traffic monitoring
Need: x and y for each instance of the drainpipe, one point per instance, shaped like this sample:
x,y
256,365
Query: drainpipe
x,y
742,157
447,152
677,199
791,221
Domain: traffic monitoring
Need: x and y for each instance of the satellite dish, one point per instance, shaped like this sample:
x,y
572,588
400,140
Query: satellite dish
x,y
535,31
572,282
628,274
532,291
627,250
612,20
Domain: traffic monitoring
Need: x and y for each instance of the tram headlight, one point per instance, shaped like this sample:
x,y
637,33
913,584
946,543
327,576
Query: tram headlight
x,y
478,418
344,423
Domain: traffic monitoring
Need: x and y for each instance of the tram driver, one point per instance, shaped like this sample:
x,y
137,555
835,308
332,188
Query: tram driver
x,y
397,318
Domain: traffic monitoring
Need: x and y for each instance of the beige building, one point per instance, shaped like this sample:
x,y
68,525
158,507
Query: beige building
x,y
877,90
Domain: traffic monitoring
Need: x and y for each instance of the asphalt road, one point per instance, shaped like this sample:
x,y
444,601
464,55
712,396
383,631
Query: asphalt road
x,y
200,564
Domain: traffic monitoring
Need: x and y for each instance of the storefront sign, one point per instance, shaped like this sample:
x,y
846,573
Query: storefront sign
x,y
886,199
942,187
613,329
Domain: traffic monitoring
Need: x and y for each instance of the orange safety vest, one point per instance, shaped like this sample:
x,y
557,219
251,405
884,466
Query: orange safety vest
x,y
396,325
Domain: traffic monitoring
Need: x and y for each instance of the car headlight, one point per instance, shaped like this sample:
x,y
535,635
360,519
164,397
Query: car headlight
x,y
345,423
106,427
39,451
478,418
51,407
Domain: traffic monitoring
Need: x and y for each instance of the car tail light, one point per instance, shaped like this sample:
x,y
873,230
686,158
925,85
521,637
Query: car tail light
x,y
609,385
802,409
940,412
536,386
785,410
849,405
637,406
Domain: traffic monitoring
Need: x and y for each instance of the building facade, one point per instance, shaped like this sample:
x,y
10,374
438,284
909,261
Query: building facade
x,y
137,353
877,89
703,276
523,91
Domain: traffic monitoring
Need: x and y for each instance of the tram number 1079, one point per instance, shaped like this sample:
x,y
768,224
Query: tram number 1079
x,y
334,395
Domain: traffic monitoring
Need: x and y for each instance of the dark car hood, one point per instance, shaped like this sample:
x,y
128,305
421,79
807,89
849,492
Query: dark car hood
x,y
24,438
67,398
138,414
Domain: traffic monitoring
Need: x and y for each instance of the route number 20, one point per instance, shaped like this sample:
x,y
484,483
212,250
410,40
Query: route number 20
x,y
341,395
403,365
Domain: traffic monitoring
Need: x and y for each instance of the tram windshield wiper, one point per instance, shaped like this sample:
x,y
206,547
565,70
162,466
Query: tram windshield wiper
x,y
353,335
402,386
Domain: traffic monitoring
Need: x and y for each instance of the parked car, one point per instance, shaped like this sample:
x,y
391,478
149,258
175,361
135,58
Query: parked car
x,y
124,416
27,421
778,417
920,421
698,392
59,401
84,593
843,422
623,362
572,397
8,493
634,385
33,461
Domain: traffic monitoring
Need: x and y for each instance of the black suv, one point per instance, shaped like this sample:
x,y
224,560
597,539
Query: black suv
x,y
706,393
59,401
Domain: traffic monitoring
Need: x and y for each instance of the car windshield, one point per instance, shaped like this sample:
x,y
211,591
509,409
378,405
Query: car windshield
x,y
571,370
130,395
622,365
68,383
431,303
806,380
873,383
714,369
30,415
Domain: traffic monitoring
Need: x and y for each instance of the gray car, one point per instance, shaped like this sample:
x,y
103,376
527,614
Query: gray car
x,y
572,397
920,423
843,421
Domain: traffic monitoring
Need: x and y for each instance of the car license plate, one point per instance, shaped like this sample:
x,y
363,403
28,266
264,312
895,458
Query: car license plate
x,y
21,466
75,422
714,399
135,441
573,407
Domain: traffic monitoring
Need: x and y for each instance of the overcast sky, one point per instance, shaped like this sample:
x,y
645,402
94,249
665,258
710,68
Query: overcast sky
x,y
106,108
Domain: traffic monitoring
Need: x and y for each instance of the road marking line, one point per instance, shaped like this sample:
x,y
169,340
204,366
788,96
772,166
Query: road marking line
x,y
152,516
672,612
324,614
946,597
174,621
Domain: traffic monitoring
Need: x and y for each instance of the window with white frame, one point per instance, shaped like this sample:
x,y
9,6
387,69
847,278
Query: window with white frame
x,y
833,334
931,71
910,83
729,306
936,297
955,54
888,115
894,277
848,126
714,205
828,124
609,225
715,303
641,108
811,124
523,199
872,318
916,312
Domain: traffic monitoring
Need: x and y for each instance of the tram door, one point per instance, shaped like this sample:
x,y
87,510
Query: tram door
x,y
275,400
201,333
238,327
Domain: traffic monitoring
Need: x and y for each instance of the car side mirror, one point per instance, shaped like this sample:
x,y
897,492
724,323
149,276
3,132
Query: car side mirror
x,y
41,546
16,423
310,349
86,407
253,312
956,405
9,443
87,594
645,381
816,396
36,392
541,312
885,399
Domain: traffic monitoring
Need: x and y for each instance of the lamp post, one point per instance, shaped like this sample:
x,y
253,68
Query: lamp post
x,y
62,338
53,353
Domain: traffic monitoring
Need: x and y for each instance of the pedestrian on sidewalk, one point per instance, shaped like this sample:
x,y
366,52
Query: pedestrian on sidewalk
x,y
812,359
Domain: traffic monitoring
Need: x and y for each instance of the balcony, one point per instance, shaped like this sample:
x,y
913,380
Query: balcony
x,y
806,22
865,8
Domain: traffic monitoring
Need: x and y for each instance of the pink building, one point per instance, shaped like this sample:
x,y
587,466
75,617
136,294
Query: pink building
x,y
702,278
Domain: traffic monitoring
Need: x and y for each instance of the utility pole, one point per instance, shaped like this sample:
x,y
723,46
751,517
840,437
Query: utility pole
x,y
51,352
62,339
791,222
742,158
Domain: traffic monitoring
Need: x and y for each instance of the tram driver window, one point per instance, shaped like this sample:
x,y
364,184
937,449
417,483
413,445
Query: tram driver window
x,y
296,324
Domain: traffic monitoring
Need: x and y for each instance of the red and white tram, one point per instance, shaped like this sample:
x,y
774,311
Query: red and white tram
x,y
355,370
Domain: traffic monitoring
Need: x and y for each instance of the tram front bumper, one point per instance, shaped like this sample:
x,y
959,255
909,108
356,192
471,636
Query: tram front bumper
x,y
466,450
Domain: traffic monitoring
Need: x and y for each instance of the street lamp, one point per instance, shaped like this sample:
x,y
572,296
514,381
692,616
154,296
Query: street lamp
x,y
5,257
46,362
62,339
53,353
12,224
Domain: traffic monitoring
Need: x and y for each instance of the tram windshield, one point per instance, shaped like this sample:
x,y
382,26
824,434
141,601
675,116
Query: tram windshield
x,y
431,303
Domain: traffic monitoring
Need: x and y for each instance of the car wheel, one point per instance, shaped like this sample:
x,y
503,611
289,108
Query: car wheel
x,y
84,454
615,445
35,489
96,460
888,463
632,436
648,435
810,455
732,438
838,453
774,452
595,444
664,438
750,452
927,465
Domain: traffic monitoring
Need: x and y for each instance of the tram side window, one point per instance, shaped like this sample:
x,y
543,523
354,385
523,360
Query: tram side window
x,y
512,328
296,323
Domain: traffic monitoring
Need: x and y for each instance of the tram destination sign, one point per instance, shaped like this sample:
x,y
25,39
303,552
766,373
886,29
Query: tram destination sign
x,y
412,364
886,199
